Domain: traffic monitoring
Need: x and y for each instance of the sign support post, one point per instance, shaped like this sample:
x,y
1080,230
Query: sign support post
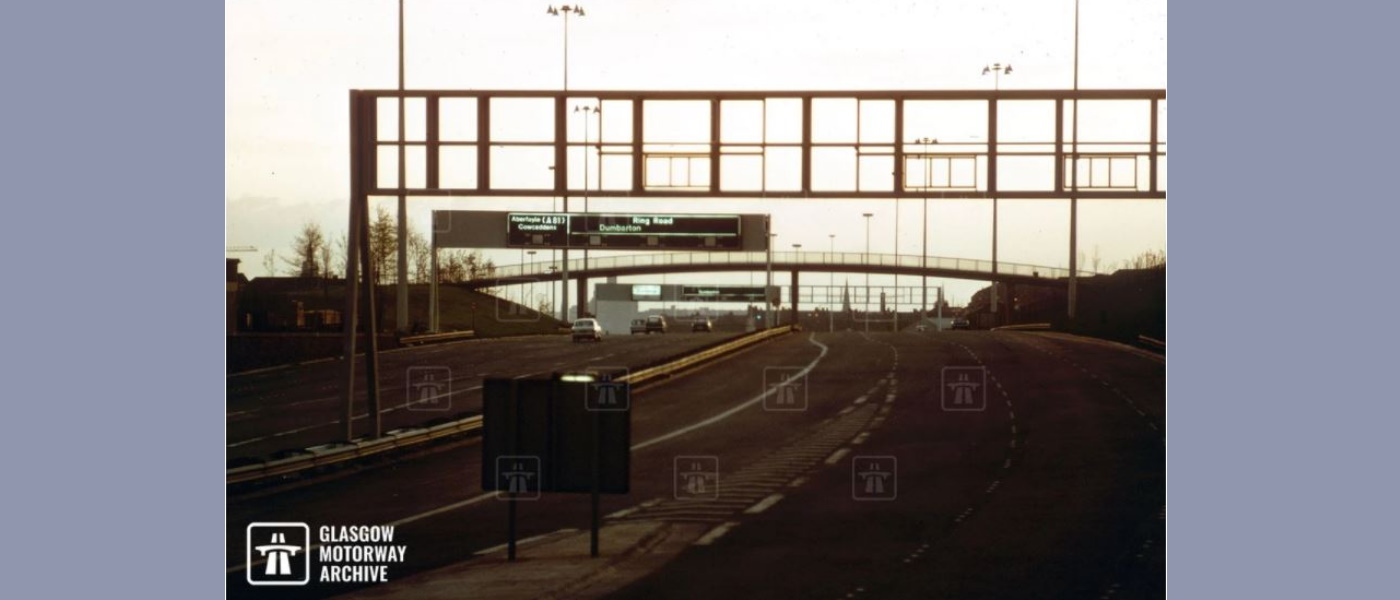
x,y
595,483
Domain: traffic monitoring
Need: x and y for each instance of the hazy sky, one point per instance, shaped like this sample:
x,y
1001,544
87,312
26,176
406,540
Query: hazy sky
x,y
289,64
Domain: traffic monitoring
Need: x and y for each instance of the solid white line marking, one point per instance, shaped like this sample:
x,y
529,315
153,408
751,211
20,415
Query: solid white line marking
x,y
763,505
237,444
716,533
656,440
527,540
836,456
732,411
622,513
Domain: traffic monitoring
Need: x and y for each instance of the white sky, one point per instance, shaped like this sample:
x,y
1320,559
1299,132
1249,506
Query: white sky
x,y
290,63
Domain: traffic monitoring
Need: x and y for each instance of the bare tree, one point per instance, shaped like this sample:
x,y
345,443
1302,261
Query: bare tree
x,y
419,257
328,260
307,250
1151,259
269,263
383,244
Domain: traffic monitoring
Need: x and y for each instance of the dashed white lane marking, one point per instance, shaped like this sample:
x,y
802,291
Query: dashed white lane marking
x,y
716,533
836,456
1012,444
1012,415
847,410
1013,430
860,439
861,400
1007,464
1153,426
524,376
763,504
889,398
798,482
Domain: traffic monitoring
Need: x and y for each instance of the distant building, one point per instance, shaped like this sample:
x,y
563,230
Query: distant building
x,y
233,283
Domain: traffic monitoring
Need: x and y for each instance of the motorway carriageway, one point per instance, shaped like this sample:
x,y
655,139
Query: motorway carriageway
x,y
301,406
1056,489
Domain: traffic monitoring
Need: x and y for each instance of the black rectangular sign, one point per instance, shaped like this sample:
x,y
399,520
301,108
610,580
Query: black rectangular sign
x,y
624,231
721,293
542,434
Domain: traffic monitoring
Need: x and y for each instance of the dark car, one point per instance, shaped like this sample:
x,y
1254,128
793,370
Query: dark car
x,y
656,324
961,323
702,325
639,326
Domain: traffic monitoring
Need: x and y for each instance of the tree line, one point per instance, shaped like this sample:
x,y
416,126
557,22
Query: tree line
x,y
314,256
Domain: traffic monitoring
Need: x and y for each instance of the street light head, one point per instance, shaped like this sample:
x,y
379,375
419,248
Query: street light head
x,y
867,215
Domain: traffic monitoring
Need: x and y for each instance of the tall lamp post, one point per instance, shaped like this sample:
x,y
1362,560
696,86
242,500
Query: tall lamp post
x,y
923,260
531,293
867,269
998,69
768,302
566,11
585,110
1072,298
796,248
401,270
831,279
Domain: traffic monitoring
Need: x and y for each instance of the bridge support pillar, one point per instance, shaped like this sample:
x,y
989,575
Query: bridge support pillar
x,y
583,297
793,292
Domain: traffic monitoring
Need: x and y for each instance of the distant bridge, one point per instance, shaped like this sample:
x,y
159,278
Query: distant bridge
x,y
787,262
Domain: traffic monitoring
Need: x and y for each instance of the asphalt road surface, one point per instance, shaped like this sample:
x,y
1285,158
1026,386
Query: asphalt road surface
x,y
1047,480
301,406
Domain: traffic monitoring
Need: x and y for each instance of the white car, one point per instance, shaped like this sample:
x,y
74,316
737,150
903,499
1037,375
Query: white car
x,y
587,329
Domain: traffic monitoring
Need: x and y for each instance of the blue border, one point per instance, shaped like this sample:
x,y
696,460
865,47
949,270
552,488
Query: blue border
x,y
1282,417
113,298
1282,412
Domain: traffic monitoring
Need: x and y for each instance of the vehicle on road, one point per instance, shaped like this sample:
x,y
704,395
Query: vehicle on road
x,y
656,324
639,326
702,325
587,329
961,323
